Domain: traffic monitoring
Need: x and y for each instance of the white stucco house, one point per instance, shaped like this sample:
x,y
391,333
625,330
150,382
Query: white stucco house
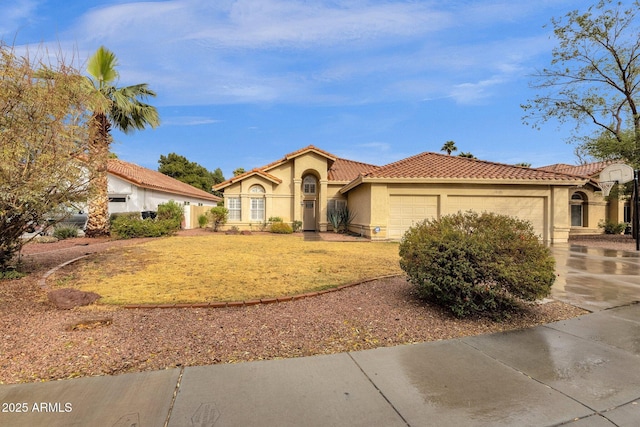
x,y
133,188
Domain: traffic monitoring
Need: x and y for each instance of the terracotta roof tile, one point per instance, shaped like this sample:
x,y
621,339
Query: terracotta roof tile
x,y
441,166
347,170
587,170
155,180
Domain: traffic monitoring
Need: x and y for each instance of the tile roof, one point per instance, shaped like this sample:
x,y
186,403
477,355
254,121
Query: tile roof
x,y
442,166
256,171
297,153
347,170
587,170
147,178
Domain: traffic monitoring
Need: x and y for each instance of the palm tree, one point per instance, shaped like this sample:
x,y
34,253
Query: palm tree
x,y
125,111
449,147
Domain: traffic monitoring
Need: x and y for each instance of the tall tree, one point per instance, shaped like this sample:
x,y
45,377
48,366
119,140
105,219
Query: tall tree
x,y
594,76
124,110
467,154
43,143
192,173
238,171
449,147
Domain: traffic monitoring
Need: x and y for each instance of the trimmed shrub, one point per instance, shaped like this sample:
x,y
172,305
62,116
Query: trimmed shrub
x,y
63,231
171,211
612,227
203,220
218,215
477,264
281,228
296,226
126,227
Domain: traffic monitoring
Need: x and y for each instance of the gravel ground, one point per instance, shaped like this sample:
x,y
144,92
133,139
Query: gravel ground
x,y
42,343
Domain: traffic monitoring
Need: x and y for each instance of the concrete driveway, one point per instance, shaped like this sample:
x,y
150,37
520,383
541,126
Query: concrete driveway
x,y
596,279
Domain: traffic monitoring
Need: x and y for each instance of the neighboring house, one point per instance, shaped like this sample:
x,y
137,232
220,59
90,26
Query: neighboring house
x,y
306,184
132,188
588,206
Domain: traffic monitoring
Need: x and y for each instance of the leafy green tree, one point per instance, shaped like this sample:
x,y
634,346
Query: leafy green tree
x,y
468,155
449,147
594,78
43,141
238,171
192,173
523,164
218,177
126,111
218,215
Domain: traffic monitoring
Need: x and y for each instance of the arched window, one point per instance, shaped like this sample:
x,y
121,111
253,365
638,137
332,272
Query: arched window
x,y
309,185
577,209
257,202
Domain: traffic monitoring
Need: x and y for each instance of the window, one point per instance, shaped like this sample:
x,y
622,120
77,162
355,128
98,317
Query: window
x,y
257,203
576,210
627,213
309,185
257,209
334,205
234,207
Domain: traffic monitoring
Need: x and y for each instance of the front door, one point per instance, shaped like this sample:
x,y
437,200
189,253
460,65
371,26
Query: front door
x,y
309,216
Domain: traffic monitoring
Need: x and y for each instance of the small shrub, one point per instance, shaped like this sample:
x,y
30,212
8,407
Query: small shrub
x,y
171,211
477,264
612,227
281,228
62,232
275,219
203,220
218,215
11,275
296,226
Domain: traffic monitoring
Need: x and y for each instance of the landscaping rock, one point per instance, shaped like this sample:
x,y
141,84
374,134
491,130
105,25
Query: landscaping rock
x,y
67,298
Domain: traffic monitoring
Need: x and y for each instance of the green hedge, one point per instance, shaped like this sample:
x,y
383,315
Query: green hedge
x,y
477,264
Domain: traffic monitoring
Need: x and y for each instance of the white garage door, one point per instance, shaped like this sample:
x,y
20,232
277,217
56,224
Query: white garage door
x,y
404,211
526,208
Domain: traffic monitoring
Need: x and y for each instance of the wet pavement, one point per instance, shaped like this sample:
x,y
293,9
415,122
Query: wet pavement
x,y
596,279
578,372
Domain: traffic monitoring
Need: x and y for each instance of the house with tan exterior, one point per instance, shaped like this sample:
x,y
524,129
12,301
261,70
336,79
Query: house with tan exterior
x,y
307,184
133,188
587,205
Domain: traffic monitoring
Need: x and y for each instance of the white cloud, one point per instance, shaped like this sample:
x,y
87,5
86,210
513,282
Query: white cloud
x,y
14,14
189,121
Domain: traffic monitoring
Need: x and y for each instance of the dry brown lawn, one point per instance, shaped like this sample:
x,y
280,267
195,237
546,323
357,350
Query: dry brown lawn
x,y
220,267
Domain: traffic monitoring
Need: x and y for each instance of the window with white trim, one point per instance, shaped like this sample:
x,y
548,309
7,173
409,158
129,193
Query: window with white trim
x,y
257,203
234,208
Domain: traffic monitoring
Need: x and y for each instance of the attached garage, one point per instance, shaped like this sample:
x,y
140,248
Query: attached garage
x,y
404,211
530,209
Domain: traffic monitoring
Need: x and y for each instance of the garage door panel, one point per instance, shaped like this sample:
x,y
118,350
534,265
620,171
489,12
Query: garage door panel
x,y
525,208
407,210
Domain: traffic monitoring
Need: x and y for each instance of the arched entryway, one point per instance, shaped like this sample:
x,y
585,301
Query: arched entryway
x,y
309,203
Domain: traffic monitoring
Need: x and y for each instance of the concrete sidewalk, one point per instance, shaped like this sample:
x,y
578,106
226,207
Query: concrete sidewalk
x,y
584,371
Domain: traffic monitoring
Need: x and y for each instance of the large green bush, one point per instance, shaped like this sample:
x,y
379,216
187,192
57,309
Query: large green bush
x,y
128,225
477,264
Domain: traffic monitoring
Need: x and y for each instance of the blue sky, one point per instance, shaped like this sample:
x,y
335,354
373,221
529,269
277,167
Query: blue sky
x,y
241,83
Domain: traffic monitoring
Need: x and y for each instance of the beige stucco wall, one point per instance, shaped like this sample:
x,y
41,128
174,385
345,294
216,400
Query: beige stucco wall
x,y
285,199
547,206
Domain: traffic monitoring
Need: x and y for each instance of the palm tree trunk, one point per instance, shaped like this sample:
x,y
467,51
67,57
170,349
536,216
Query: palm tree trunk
x,y
98,215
